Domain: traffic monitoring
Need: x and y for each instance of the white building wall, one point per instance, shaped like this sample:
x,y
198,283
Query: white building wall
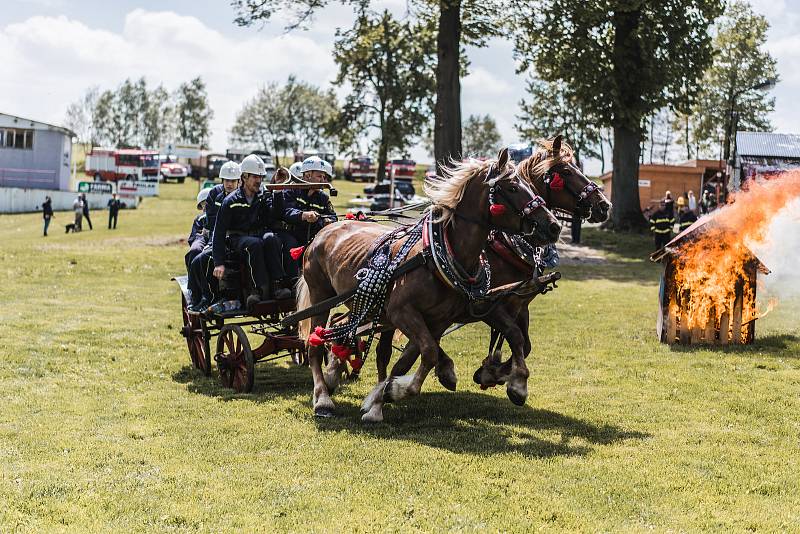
x,y
19,200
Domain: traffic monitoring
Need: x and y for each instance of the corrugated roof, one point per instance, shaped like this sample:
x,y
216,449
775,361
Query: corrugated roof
x,y
768,144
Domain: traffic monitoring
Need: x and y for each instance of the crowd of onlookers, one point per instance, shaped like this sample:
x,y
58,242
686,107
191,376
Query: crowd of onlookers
x,y
80,208
672,215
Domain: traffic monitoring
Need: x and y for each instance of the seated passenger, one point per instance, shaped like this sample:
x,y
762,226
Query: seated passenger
x,y
201,267
197,240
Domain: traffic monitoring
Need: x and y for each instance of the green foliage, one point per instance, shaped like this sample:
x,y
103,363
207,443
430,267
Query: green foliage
x,y
553,109
573,42
480,136
390,71
740,63
296,115
193,112
134,116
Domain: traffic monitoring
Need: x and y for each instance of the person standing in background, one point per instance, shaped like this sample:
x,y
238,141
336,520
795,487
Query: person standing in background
x,y
113,209
86,210
77,207
692,202
47,213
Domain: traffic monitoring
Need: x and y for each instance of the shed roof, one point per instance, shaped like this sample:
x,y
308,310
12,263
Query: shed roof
x,y
768,144
13,121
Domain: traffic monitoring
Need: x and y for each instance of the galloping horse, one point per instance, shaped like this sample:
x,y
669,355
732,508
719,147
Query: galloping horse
x,y
554,175
418,303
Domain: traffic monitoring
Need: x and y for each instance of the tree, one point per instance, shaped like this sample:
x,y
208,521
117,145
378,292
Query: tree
x,y
622,60
459,22
80,117
193,112
310,114
480,136
554,109
729,85
160,121
261,121
391,76
105,120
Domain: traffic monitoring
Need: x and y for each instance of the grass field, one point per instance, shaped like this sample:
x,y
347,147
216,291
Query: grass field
x,y
104,426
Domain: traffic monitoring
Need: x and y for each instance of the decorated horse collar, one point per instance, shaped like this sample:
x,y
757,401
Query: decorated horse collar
x,y
473,286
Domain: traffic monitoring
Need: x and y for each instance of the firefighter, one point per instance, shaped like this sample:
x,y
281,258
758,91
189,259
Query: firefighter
x,y
241,220
306,211
295,169
202,266
198,235
686,217
661,222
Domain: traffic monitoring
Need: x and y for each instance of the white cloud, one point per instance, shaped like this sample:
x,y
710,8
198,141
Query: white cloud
x,y
49,62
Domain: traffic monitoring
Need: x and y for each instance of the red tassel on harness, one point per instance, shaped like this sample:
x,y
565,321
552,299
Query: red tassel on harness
x,y
321,332
349,216
296,252
315,341
341,351
557,183
356,363
497,209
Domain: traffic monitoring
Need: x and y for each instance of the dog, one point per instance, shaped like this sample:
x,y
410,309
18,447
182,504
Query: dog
x,y
70,228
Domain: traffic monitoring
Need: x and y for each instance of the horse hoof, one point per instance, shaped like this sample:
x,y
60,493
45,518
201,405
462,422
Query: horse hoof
x,y
324,412
448,381
373,416
372,398
516,397
476,376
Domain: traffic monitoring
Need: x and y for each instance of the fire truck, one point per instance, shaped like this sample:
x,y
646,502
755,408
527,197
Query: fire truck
x,y
112,164
360,168
403,169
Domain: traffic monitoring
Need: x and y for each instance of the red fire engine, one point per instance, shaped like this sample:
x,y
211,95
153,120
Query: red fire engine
x,y
112,164
403,169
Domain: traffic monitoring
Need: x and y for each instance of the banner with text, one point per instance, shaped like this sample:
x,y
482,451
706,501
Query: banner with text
x,y
132,188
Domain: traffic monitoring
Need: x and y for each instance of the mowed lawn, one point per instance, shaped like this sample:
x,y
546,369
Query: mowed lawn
x,y
104,426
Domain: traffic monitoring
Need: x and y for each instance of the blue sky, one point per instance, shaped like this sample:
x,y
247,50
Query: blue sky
x,y
51,50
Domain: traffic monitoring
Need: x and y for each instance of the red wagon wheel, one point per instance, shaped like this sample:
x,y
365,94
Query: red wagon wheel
x,y
197,339
235,359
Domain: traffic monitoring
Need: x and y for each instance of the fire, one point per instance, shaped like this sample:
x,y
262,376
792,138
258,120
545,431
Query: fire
x,y
715,263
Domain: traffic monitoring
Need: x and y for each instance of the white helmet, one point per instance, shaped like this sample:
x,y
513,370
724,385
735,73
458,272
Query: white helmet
x,y
254,165
203,195
296,169
315,163
230,170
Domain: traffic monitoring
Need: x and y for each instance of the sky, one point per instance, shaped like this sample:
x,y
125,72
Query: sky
x,y
52,50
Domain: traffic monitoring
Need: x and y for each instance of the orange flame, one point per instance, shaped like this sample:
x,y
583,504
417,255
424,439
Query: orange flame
x,y
716,262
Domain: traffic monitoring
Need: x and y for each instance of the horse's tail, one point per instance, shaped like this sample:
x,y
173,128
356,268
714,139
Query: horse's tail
x,y
303,302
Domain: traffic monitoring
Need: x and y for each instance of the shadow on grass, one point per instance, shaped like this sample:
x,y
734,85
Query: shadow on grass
x,y
475,423
760,345
463,422
271,382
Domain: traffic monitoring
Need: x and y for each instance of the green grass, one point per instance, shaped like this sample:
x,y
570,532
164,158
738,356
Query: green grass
x,y
104,426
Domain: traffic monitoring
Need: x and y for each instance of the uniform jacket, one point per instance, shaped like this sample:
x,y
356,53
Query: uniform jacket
x,y
198,226
661,221
237,217
296,201
686,219
114,205
213,204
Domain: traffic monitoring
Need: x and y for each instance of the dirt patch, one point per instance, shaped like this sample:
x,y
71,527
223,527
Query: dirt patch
x,y
570,254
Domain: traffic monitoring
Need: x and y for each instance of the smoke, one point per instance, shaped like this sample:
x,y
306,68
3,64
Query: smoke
x,y
779,250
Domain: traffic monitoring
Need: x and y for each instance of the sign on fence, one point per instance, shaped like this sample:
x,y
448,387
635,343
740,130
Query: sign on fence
x,y
95,187
137,189
208,183
644,183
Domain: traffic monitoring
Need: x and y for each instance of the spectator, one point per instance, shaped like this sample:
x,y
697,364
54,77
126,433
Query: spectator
x,y
692,202
47,213
113,209
77,207
86,210
661,222
686,217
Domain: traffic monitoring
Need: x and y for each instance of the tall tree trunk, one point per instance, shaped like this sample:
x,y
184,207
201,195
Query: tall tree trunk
x,y
652,144
383,148
447,111
627,213
688,144
627,61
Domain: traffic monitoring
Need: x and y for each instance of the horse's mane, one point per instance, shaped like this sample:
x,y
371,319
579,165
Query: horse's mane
x,y
446,191
543,159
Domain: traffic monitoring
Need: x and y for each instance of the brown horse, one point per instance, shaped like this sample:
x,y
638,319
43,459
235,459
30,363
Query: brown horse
x,y
418,303
553,174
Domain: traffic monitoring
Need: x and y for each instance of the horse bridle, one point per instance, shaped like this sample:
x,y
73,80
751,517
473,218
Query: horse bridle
x,y
582,196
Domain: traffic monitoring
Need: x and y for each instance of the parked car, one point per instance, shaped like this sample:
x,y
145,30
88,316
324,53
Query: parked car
x,y
360,168
405,187
519,151
172,170
214,163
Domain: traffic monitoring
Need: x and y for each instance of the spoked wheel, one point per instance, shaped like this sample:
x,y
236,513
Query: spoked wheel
x,y
235,359
197,339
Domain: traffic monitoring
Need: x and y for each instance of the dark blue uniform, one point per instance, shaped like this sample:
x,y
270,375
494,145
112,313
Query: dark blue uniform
x,y
243,223
197,241
296,201
201,266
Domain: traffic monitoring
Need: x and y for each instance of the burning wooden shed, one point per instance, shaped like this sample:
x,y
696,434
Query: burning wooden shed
x,y
708,287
